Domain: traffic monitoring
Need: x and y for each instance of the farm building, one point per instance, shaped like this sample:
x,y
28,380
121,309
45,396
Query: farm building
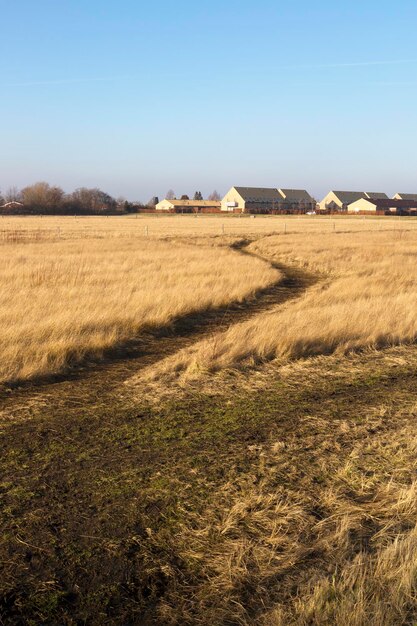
x,y
266,200
14,205
406,196
188,206
383,206
339,200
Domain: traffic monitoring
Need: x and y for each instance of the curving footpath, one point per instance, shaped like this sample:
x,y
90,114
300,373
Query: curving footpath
x,y
126,360
81,463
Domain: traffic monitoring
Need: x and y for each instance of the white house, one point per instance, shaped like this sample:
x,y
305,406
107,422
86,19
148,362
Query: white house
x,y
188,206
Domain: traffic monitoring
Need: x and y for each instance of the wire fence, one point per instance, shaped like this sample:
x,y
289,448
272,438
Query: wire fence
x,y
193,226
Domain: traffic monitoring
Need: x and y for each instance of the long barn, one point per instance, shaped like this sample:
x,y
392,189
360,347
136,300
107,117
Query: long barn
x,y
188,206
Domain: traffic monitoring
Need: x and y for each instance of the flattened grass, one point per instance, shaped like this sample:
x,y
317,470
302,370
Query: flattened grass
x,y
218,508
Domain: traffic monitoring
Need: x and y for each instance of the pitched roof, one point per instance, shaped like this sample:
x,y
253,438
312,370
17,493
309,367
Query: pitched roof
x,y
259,194
408,196
388,203
296,195
378,195
346,197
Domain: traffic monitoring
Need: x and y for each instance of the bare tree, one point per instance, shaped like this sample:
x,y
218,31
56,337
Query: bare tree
x,y
86,200
198,195
170,194
214,196
41,197
13,195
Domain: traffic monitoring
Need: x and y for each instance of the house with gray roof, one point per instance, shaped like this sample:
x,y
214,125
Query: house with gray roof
x,y
383,206
251,200
340,200
405,196
298,199
266,200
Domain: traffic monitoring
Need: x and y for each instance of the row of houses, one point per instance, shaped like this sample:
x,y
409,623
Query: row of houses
x,y
283,201
246,200
367,202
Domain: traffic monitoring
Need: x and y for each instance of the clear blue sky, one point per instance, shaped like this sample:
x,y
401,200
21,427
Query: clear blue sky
x,y
136,97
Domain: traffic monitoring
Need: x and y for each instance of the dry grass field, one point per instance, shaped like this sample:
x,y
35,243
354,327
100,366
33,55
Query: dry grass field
x,y
322,528
68,298
274,486
168,226
365,298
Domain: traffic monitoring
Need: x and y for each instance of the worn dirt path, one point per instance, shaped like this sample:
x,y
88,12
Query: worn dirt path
x,y
96,489
91,382
78,468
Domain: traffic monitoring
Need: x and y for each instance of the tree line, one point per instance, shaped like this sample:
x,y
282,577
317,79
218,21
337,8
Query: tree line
x,y
170,195
45,199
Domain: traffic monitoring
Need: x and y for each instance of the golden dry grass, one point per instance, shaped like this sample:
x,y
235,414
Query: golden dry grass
x,y
291,499
163,226
322,530
64,299
76,286
366,298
